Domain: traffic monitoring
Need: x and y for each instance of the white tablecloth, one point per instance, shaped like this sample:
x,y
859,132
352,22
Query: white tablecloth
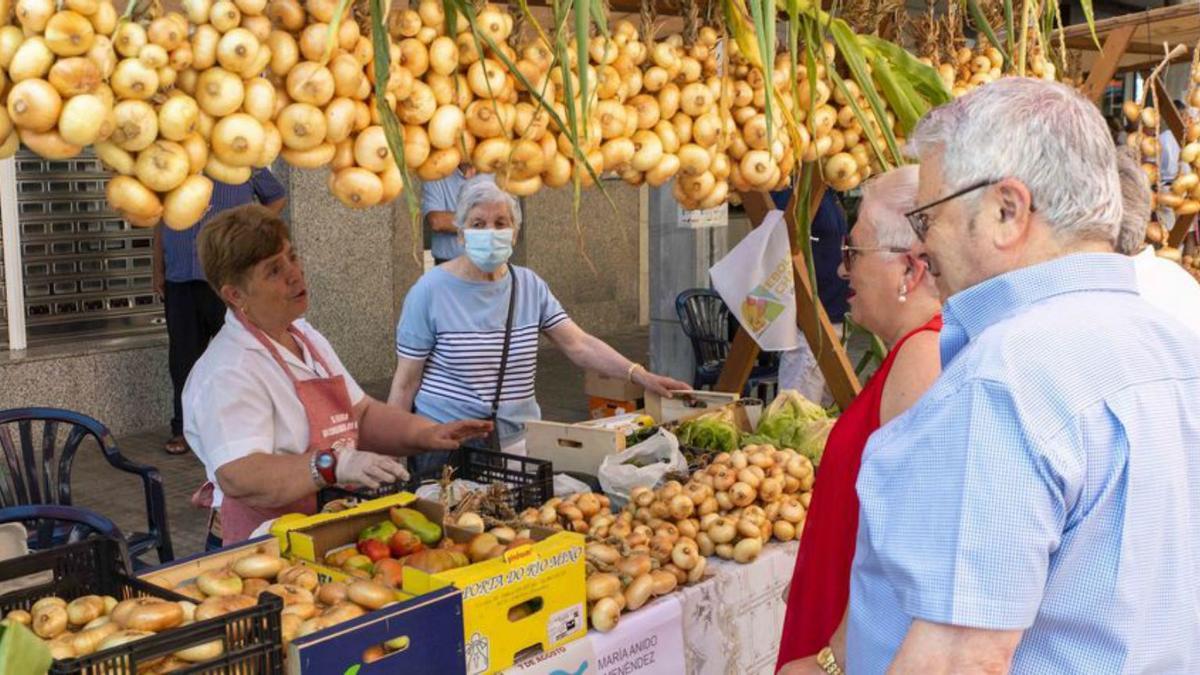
x,y
727,624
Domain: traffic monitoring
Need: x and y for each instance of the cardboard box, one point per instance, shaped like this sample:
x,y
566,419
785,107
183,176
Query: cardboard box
x,y
549,573
612,388
429,627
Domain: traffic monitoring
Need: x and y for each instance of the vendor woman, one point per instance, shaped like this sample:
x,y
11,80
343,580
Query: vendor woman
x,y
892,294
459,316
269,408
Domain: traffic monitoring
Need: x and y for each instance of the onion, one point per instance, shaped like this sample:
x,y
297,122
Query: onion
x,y
416,146
129,38
231,175
177,117
223,604
666,169
11,39
393,183
441,163
302,126
82,119
237,49
69,33
443,55
219,92
604,614
446,126
251,7
168,31
310,82
287,14
186,204
34,14
339,119
127,195
486,78
313,158
31,60
414,56
224,16
322,10
136,125
419,107
357,188
133,79
237,140
34,105
371,150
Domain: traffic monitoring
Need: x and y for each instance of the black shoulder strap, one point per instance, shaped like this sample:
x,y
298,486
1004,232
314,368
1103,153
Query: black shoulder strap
x,y
508,326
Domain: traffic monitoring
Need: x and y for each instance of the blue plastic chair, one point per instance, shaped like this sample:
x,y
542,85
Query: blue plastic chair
x,y
39,473
52,525
710,326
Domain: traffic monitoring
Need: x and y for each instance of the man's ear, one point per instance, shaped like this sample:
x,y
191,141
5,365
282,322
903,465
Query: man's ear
x,y
1013,206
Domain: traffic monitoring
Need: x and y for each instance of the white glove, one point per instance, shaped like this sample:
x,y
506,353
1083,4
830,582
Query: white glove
x,y
368,468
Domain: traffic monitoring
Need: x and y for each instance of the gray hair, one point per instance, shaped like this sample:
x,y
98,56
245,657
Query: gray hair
x,y
885,200
479,190
1135,192
1042,133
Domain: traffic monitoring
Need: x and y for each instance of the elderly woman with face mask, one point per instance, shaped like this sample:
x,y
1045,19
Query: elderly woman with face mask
x,y
269,408
467,339
893,295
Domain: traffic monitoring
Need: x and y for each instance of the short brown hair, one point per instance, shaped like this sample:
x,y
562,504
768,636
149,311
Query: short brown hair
x,y
236,240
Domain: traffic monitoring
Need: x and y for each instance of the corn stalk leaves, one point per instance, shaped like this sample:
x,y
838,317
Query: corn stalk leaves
x,y
582,17
981,24
1009,28
451,14
392,130
331,36
923,79
852,53
762,13
1089,14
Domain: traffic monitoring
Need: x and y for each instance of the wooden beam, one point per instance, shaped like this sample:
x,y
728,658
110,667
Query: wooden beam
x,y
1106,66
1144,48
810,316
1150,18
1146,66
1169,114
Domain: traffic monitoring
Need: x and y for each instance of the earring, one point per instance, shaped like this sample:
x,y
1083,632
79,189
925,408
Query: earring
x,y
903,293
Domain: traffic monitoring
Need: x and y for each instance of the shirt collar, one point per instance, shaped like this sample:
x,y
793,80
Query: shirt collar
x,y
248,341
968,313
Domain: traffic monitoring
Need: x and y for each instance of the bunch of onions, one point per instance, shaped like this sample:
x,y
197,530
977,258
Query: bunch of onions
x,y
1183,196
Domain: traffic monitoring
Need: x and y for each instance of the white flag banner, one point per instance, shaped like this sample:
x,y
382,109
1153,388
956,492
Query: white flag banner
x,y
755,280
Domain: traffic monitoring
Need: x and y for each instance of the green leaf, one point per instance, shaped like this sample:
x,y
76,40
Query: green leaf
x,y
1089,14
451,17
861,117
392,129
331,38
582,13
924,79
981,23
1009,28
899,94
848,47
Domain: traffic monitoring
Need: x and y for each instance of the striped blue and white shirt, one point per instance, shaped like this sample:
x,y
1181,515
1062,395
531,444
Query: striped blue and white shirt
x,y
457,327
1048,482
180,256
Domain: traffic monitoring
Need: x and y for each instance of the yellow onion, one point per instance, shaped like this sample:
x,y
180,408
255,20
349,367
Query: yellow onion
x,y
49,144
486,78
129,196
237,49
237,140
357,188
153,56
132,79
219,92
34,105
666,169
259,100
31,60
419,107
82,118
617,153
9,145
224,16
443,55
302,126
129,38
393,183
272,144
446,126
115,158
343,156
310,82
69,33
204,47
285,53
218,170
416,146
185,205
490,155
34,14
339,119
197,11
371,150
414,56
177,117
11,39
136,125
319,156
168,31
441,163
6,125
163,166
259,26
104,21
75,75
525,160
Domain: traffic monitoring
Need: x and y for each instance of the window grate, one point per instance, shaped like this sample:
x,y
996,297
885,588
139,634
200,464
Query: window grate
x,y
87,271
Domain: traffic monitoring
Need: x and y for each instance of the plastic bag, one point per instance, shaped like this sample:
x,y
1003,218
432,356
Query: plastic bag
x,y
565,485
641,465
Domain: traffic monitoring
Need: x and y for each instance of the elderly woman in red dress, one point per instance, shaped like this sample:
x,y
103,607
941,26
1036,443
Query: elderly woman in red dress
x,y
892,293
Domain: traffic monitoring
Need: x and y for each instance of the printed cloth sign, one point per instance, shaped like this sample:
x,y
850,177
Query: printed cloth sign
x,y
755,280
648,641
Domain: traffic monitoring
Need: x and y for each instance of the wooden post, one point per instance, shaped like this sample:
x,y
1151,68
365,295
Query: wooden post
x,y
1106,65
810,315
1170,115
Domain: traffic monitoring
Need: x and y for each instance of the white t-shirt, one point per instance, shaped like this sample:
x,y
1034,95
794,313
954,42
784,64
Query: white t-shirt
x,y
238,400
1165,285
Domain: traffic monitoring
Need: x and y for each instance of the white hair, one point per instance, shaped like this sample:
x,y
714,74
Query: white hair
x,y
482,189
1135,193
1042,133
885,200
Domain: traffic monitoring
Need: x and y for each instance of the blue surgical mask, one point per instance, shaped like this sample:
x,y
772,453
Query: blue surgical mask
x,y
487,248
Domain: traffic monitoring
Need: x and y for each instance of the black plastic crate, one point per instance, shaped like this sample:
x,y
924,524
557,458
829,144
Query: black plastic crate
x,y
96,566
530,481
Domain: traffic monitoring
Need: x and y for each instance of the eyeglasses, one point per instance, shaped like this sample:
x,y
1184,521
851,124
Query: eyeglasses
x,y
920,221
849,253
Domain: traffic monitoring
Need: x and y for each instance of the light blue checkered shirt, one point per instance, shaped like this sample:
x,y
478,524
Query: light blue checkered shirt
x,y
1048,482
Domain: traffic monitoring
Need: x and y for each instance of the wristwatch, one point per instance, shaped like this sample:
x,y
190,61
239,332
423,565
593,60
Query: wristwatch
x,y
324,468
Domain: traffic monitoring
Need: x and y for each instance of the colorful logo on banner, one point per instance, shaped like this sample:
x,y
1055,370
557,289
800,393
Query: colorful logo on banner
x,y
756,282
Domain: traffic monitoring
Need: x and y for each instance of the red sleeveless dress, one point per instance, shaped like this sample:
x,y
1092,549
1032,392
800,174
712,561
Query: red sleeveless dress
x,y
821,580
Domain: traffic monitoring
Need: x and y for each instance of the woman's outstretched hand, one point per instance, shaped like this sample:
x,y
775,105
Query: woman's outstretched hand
x,y
451,435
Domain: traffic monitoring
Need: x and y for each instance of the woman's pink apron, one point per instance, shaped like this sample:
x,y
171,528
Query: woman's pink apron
x,y
331,423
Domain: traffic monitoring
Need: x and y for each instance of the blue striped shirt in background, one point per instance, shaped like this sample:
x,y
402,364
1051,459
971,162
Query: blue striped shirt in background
x,y
442,195
457,327
1046,483
180,256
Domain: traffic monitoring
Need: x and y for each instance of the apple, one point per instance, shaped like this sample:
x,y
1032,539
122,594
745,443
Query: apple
x,y
375,549
380,532
358,562
389,572
404,543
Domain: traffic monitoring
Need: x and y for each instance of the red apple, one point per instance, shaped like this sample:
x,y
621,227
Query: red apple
x,y
375,549
389,572
404,543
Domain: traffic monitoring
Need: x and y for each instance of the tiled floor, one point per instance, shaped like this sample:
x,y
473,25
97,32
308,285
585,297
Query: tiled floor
x,y
119,496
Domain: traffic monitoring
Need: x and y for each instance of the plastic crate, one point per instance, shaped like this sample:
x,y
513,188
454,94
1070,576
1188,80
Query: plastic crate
x,y
96,566
530,481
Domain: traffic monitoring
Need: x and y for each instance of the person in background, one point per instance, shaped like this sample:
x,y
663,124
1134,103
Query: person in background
x,y
893,295
1168,168
438,200
269,408
798,368
1042,492
194,312
1163,283
451,334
